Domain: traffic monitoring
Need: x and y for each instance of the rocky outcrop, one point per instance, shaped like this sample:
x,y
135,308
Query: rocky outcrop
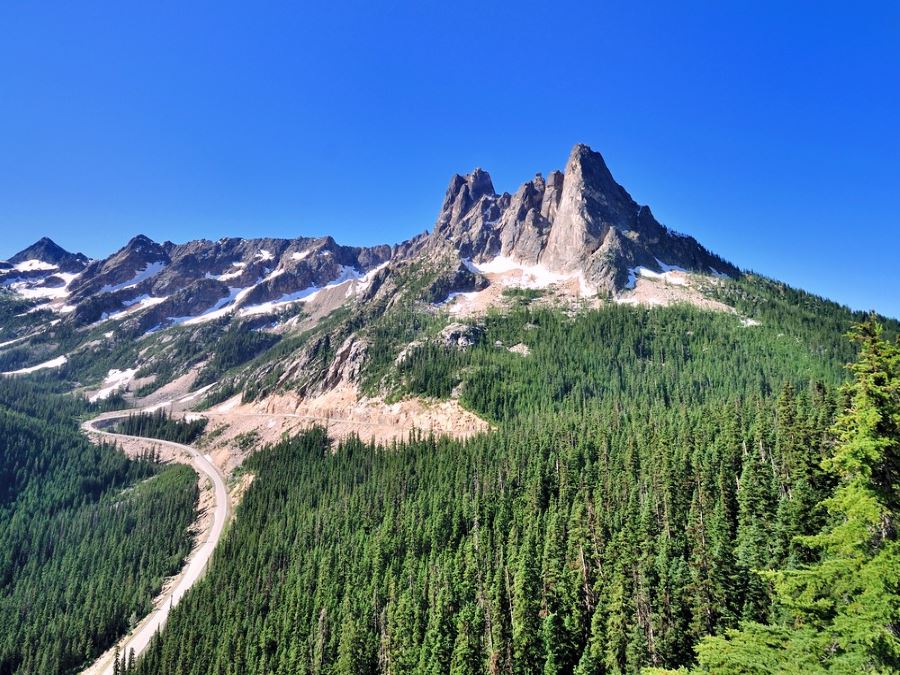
x,y
347,364
460,335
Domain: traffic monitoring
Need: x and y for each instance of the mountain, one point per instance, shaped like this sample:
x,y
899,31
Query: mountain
x,y
577,224
547,435
576,239
46,251
43,270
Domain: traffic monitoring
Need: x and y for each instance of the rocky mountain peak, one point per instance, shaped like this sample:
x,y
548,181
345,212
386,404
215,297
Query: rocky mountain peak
x,y
48,251
480,184
142,245
577,221
469,211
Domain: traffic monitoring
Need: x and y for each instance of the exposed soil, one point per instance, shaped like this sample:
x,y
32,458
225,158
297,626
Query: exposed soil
x,y
341,410
676,288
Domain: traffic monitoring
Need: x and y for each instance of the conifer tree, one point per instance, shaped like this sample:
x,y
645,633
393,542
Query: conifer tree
x,y
526,622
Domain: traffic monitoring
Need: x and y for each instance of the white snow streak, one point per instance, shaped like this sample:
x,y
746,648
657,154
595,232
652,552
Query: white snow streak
x,y
52,363
148,271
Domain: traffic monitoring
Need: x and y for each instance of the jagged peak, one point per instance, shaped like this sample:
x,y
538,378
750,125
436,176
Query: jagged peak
x,y
140,240
587,170
142,245
480,184
476,184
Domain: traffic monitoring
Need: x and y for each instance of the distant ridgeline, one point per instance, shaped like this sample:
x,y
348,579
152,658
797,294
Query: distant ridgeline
x,y
86,535
646,465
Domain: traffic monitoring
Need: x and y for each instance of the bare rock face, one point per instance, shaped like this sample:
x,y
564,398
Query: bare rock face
x,y
470,213
523,227
580,221
590,204
347,364
460,335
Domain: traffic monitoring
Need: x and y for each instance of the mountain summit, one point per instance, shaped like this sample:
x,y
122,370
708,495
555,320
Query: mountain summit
x,y
580,220
47,251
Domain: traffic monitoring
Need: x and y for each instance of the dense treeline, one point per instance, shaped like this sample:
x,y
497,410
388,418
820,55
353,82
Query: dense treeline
x,y
647,464
604,542
839,609
673,356
86,535
159,424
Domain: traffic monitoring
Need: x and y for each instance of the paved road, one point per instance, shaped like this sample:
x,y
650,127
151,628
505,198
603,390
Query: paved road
x,y
194,567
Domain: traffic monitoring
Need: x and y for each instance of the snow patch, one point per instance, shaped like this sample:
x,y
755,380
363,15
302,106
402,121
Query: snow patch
x,y
671,275
132,306
225,276
149,270
457,307
274,275
115,380
52,363
222,307
27,290
33,265
305,295
531,276
366,279
12,342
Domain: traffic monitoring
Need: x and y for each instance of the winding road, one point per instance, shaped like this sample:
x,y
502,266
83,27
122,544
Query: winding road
x,y
196,563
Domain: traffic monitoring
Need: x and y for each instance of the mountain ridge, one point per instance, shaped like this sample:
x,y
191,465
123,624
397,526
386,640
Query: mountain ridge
x,y
577,222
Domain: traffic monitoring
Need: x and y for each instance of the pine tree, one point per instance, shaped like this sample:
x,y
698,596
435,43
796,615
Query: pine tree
x,y
756,512
353,657
468,653
526,622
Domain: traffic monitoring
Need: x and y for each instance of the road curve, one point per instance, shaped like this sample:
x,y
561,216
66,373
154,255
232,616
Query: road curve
x,y
194,567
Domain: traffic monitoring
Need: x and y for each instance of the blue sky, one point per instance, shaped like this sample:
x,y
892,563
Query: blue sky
x,y
768,130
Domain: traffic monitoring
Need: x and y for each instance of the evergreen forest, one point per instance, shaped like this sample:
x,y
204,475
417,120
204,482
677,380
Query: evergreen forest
x,y
664,489
86,535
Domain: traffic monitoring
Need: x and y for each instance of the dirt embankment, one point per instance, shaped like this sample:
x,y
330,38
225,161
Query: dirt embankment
x,y
235,429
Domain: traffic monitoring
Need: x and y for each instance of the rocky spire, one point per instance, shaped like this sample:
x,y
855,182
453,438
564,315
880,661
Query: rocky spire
x,y
578,221
590,204
470,210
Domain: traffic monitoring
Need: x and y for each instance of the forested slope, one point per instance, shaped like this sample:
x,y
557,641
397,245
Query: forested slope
x,y
645,465
86,535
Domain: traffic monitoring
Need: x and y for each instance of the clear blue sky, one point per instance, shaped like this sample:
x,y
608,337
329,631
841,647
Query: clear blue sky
x,y
769,130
